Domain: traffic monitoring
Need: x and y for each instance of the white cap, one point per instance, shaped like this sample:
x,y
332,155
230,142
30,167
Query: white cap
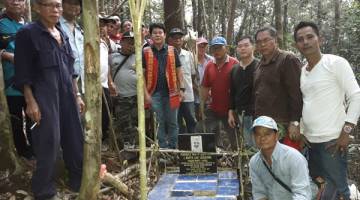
x,y
265,121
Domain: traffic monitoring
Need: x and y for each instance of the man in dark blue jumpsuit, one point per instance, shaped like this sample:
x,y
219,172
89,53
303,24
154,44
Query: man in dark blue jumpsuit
x,y
44,71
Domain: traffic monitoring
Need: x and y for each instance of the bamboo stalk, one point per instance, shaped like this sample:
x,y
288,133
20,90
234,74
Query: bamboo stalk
x,y
137,8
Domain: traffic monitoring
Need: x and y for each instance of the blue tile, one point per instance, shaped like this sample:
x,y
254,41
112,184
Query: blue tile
x,y
187,178
228,174
227,191
195,186
228,183
212,177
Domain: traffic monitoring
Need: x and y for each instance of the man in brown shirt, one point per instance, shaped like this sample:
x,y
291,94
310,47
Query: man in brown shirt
x,y
277,84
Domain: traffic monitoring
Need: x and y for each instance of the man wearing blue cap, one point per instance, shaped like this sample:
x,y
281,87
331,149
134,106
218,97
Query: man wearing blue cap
x,y
277,171
217,81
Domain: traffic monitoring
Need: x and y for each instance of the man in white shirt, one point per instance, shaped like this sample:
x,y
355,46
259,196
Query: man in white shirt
x,y
187,107
331,97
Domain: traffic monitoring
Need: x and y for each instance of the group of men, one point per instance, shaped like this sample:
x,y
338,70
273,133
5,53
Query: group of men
x,y
43,72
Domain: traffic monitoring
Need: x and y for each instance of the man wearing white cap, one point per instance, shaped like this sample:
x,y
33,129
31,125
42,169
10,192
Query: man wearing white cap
x,y
277,171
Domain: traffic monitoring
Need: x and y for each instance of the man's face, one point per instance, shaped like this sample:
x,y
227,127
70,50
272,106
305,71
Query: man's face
x,y
176,40
265,44
245,48
218,51
103,29
112,27
49,10
16,7
71,9
158,36
127,46
307,42
265,138
202,48
127,26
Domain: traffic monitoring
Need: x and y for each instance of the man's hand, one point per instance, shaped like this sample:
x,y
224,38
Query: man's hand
x,y
112,89
294,132
81,104
147,98
181,95
33,111
342,142
231,119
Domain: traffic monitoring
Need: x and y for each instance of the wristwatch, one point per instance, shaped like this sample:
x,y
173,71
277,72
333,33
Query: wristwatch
x,y
347,129
182,89
295,123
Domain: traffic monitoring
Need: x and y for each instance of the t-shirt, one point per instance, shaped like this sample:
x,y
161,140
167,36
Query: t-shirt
x,y
125,79
8,29
187,64
329,89
104,64
218,80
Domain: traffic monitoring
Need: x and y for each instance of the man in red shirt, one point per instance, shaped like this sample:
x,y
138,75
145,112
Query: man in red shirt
x,y
216,82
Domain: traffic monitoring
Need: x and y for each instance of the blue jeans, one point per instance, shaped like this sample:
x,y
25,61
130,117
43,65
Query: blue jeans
x,y
248,135
333,168
187,113
167,119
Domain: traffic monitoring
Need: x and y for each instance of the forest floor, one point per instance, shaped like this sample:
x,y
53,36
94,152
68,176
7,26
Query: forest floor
x,y
18,187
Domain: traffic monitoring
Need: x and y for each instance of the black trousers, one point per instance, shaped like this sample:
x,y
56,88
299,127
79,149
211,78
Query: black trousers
x,y
105,115
16,104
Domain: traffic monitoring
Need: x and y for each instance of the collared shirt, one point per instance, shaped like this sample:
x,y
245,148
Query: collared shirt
x,y
277,87
325,89
161,56
241,88
289,166
200,74
39,59
8,29
218,80
187,64
76,40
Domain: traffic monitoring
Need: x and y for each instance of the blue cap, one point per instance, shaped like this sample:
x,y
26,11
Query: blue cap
x,y
218,41
265,121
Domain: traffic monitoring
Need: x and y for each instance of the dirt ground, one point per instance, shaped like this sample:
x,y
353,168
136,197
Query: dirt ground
x,y
18,187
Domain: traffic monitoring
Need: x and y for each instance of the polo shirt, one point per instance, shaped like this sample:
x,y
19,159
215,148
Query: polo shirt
x,y
218,80
8,29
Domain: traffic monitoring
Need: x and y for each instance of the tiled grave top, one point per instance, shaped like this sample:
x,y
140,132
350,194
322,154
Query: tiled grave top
x,y
220,186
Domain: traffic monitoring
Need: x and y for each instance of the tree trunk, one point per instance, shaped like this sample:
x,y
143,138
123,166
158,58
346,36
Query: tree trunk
x,y
278,22
90,184
7,147
204,31
211,20
319,14
137,8
243,21
223,17
285,28
173,14
195,15
230,28
335,43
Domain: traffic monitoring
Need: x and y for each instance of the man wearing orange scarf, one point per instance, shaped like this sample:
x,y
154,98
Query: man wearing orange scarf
x,y
164,85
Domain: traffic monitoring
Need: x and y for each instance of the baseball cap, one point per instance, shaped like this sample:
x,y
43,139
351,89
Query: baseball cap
x,y
128,34
105,18
114,17
175,31
201,40
265,121
218,41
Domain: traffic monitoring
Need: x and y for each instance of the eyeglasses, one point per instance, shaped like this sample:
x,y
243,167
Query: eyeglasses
x,y
58,6
263,42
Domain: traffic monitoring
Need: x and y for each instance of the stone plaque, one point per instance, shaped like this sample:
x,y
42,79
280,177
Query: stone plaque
x,y
196,162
